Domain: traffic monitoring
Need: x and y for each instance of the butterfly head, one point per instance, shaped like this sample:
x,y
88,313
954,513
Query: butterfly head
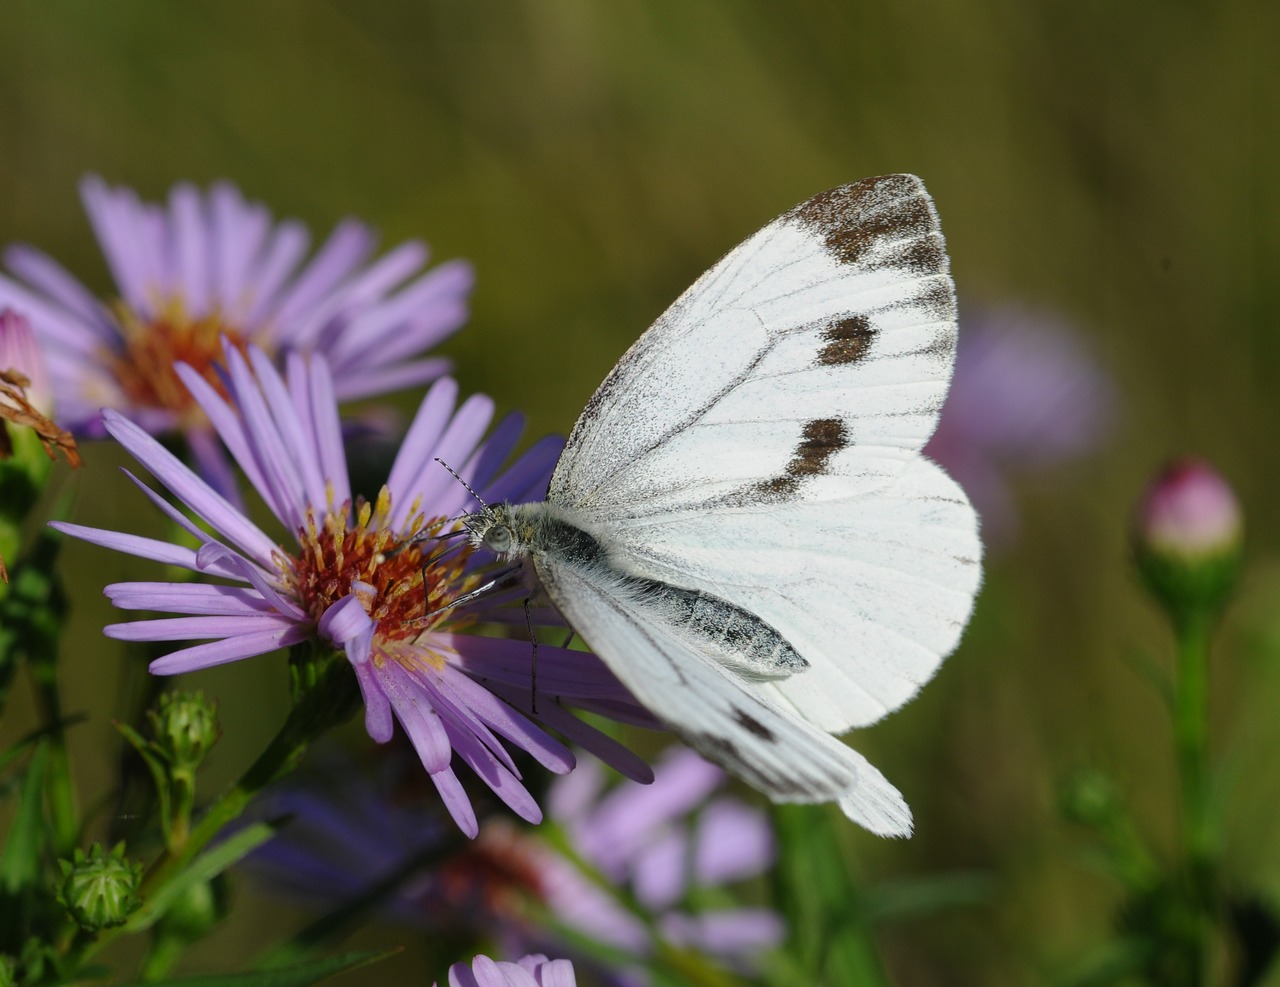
x,y
500,528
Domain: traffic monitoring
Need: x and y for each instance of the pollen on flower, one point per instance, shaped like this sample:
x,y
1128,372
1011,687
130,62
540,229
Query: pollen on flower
x,y
390,572
143,367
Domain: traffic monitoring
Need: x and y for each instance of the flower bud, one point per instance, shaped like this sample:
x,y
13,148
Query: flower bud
x,y
28,437
99,889
1187,537
19,352
185,727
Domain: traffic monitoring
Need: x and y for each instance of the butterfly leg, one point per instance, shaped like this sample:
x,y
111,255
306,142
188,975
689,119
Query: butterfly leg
x,y
533,667
503,580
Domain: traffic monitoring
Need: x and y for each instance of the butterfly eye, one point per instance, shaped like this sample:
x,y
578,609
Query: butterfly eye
x,y
498,538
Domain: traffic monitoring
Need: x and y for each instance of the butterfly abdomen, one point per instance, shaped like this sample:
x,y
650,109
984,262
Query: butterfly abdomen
x,y
735,636
723,630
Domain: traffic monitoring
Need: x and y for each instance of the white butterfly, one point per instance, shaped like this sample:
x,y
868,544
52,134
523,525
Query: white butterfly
x,y
742,525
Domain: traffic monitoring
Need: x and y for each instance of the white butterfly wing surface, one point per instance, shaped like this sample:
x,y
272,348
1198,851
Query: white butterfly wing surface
x,y
769,748
760,445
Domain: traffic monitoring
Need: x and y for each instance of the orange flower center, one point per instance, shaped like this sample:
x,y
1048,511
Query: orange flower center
x,y
144,368
408,594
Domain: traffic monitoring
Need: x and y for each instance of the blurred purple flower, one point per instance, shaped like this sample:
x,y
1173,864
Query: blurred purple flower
x,y
661,841
1025,396
352,829
530,971
212,265
357,577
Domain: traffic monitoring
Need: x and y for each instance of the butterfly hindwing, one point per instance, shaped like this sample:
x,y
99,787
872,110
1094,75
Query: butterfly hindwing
x,y
872,589
756,739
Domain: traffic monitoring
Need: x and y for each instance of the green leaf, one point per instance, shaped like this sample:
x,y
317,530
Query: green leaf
x,y
204,868
828,931
20,871
310,972
145,749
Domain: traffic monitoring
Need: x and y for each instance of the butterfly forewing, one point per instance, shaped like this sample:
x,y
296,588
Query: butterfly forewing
x,y
823,344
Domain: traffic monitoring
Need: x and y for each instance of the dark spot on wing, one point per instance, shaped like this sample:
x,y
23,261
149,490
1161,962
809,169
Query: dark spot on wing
x,y
853,219
822,439
750,723
848,341
717,748
937,297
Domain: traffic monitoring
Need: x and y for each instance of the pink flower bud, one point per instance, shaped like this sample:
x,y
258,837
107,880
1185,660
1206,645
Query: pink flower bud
x,y
19,352
1187,536
1190,510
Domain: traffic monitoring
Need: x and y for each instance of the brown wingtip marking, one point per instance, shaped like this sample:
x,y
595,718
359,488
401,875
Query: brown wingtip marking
x,y
852,218
848,341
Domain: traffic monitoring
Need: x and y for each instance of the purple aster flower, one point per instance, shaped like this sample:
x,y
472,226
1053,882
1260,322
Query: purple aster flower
x,y
1026,396
531,971
356,575
211,265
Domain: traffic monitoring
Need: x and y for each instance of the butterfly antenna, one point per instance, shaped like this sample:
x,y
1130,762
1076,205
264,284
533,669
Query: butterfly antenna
x,y
453,473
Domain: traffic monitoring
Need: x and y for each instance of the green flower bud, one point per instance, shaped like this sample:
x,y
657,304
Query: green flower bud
x,y
185,727
99,889
1187,538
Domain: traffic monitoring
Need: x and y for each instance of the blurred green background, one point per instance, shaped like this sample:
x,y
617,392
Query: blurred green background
x,y
1115,162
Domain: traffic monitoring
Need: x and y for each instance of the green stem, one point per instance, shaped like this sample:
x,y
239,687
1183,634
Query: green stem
x,y
1191,732
162,956
182,798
